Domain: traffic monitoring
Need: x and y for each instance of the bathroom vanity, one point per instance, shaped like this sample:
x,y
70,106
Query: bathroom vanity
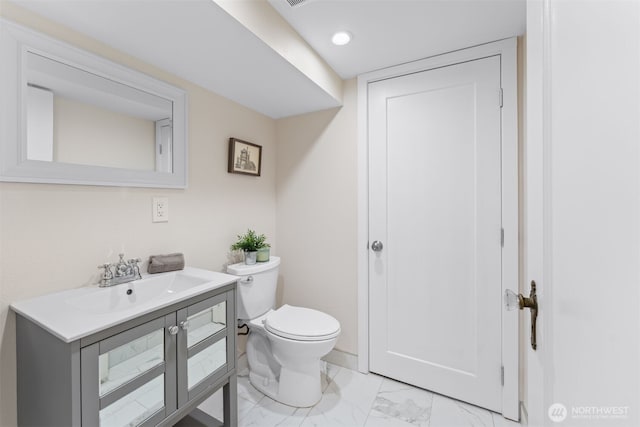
x,y
143,353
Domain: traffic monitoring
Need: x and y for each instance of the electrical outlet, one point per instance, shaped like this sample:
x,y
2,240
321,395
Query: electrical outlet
x,y
160,209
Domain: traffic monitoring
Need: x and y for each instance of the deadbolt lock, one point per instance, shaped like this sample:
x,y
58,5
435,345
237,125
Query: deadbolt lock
x,y
530,302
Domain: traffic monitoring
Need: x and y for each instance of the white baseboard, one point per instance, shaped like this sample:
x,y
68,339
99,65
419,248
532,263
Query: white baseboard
x,y
343,359
524,415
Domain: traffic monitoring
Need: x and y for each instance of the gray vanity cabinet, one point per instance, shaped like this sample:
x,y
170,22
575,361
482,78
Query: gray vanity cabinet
x,y
129,378
204,347
149,371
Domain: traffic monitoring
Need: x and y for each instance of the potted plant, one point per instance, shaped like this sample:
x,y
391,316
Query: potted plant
x,y
263,251
253,246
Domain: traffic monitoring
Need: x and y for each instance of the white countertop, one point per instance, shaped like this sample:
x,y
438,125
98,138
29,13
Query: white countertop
x,y
77,313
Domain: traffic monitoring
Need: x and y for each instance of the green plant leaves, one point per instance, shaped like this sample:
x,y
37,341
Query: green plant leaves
x,y
250,242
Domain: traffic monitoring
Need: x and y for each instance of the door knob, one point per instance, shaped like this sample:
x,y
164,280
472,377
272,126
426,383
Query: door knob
x,y
376,246
173,330
513,300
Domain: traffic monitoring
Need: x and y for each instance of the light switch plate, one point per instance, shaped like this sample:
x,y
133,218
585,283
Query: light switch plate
x,y
160,209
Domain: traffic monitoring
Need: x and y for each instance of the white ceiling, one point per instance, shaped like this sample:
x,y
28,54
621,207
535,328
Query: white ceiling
x,y
392,32
200,42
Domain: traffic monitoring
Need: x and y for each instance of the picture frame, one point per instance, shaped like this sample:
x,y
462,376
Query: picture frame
x,y
244,157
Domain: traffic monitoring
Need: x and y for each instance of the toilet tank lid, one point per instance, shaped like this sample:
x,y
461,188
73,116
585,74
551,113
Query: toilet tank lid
x,y
242,269
302,323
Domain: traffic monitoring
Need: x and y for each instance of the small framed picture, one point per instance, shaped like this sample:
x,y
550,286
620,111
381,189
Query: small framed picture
x,y
244,157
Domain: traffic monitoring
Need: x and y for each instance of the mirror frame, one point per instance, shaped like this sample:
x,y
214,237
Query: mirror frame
x,y
15,42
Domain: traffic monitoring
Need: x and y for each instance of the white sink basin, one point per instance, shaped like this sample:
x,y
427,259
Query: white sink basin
x,y
128,295
77,313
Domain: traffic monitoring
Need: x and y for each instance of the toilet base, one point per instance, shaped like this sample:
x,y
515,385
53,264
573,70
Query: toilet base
x,y
297,389
294,383
265,385
300,388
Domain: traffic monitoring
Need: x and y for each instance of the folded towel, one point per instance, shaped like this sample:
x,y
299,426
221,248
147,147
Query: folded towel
x,y
164,263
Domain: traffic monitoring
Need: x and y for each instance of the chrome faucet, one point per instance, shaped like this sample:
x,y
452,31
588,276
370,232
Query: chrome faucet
x,y
122,272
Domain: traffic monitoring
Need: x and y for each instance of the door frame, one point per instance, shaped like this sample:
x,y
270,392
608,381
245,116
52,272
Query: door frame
x,y
507,49
538,390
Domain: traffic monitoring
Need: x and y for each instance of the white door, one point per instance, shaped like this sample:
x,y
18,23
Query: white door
x,y
435,207
164,146
582,187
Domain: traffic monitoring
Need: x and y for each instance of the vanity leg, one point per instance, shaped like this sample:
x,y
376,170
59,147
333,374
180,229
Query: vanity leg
x,y
230,401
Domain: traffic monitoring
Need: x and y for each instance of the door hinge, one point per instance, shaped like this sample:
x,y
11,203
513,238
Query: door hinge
x,y
501,97
502,237
502,375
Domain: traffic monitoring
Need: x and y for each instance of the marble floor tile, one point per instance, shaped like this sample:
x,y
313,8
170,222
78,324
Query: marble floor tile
x,y
378,419
353,399
399,401
271,413
244,407
347,400
248,397
447,412
327,372
247,391
500,421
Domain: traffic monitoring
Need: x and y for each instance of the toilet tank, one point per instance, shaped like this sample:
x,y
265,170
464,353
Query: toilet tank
x,y
256,287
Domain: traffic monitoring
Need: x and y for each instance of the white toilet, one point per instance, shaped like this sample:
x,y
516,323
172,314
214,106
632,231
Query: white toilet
x,y
284,346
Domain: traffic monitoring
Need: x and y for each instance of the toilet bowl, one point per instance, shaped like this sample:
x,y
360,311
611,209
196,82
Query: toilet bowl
x,y
285,345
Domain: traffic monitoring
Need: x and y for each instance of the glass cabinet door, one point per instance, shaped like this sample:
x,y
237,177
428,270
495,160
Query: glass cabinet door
x,y
136,407
124,377
123,363
203,349
206,322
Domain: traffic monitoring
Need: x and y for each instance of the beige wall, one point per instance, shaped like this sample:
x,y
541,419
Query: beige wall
x,y
316,213
85,134
52,237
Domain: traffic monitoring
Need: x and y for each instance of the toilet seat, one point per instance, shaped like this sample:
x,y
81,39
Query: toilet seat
x,y
301,324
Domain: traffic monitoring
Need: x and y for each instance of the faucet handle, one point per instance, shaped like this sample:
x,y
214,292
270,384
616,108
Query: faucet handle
x,y
107,271
133,263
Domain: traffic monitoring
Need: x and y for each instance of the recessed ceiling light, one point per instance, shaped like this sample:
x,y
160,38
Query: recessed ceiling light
x,y
341,38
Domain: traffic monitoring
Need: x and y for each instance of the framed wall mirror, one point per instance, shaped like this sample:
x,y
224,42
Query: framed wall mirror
x,y
71,117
